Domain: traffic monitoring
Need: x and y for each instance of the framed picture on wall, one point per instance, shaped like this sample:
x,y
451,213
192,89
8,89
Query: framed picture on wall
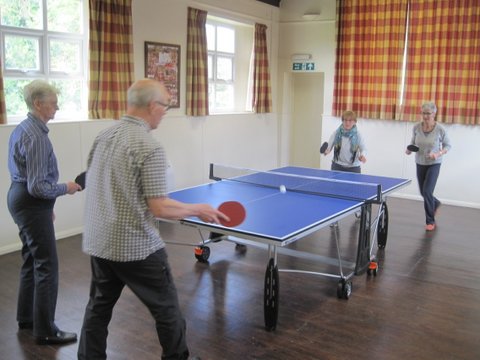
x,y
162,62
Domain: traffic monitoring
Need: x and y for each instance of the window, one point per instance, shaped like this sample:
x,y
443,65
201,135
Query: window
x,y
45,39
229,50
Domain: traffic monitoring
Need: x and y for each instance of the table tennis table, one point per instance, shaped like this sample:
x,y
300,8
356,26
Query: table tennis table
x,y
313,199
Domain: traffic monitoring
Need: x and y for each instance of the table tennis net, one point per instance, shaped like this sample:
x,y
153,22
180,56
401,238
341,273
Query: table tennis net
x,y
351,190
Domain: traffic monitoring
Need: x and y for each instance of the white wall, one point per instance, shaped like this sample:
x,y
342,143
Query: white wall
x,y
247,140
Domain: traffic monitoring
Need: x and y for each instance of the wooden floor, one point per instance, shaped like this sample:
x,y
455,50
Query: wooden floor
x,y
423,304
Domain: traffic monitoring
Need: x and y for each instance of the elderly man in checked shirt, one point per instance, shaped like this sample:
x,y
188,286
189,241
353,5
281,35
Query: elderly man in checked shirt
x,y
126,193
31,197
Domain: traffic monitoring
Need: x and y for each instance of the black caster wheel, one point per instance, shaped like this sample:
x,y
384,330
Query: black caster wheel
x,y
202,253
382,230
372,268
240,248
271,296
344,289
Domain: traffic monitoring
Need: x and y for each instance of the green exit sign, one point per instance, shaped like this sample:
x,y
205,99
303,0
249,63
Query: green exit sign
x,y
303,66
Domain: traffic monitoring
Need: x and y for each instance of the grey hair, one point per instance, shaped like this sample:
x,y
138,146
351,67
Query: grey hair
x,y
141,93
429,106
37,89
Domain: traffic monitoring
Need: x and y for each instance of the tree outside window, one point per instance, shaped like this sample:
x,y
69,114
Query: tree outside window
x,y
44,39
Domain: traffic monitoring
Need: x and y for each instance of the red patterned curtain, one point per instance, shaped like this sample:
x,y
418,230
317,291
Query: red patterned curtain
x,y
262,98
370,47
3,108
443,60
197,64
111,57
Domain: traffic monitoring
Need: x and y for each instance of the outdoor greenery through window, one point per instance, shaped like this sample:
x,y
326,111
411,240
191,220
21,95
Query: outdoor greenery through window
x,y
44,39
229,50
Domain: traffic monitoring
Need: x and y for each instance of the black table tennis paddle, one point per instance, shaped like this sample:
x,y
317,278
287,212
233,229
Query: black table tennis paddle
x,y
324,147
412,148
81,179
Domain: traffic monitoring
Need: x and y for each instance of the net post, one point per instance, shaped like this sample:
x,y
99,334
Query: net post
x,y
379,193
211,176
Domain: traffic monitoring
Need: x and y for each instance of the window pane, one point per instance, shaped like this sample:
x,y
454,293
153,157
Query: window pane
x,y
24,13
226,39
211,95
210,37
65,56
224,69
69,97
224,97
210,64
65,16
22,53
14,96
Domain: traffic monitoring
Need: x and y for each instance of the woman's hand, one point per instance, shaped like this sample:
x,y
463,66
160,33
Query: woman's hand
x,y
435,155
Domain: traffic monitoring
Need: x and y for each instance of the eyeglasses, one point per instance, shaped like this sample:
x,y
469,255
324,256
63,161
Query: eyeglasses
x,y
426,113
166,106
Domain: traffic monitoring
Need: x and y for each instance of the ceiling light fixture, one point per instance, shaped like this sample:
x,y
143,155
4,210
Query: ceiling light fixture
x,y
311,16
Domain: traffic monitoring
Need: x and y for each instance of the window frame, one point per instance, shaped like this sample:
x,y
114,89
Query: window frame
x,y
244,31
214,55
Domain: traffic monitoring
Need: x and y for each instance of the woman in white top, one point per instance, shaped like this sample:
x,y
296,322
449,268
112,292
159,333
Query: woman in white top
x,y
347,144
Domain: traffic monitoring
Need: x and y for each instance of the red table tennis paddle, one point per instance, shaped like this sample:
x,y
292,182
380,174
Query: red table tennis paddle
x,y
235,211
412,148
324,147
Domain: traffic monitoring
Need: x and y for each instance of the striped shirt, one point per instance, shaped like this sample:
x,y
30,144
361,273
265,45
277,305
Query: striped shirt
x,y
126,165
31,159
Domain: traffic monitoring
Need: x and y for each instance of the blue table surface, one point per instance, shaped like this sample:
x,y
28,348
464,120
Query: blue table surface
x,y
279,216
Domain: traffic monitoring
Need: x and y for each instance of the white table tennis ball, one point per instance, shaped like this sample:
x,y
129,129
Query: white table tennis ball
x,y
283,189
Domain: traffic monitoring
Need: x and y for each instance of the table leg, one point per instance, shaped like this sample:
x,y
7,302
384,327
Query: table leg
x,y
382,230
363,251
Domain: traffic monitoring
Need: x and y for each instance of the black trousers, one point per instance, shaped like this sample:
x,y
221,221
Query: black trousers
x,y
338,167
38,290
151,281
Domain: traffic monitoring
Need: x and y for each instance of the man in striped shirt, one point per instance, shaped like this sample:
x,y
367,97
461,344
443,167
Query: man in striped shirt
x,y
31,197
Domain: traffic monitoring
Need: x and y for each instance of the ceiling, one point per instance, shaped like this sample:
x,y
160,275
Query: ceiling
x,y
294,10
319,10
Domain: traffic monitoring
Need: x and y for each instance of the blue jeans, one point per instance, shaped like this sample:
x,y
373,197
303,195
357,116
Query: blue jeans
x,y
151,281
427,176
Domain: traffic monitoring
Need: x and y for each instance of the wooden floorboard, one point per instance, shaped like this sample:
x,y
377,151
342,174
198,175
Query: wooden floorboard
x,y
423,304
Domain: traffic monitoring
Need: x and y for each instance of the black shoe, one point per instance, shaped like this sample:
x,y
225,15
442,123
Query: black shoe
x,y
25,325
60,337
